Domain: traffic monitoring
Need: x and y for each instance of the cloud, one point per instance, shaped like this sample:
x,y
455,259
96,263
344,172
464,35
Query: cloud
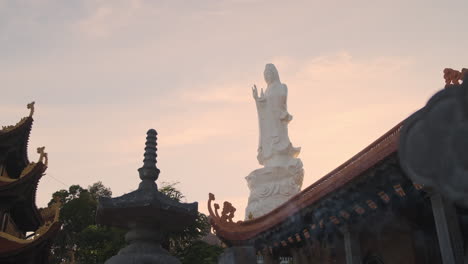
x,y
117,68
111,17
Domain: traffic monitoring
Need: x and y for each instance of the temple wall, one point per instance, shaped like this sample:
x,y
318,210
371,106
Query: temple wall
x,y
398,241
391,247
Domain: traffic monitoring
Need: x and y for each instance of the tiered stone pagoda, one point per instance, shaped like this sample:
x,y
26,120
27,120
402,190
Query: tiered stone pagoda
x,y
19,214
148,214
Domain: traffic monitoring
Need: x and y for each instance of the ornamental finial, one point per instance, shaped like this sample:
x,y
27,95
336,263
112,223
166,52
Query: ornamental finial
x,y
31,108
149,172
452,76
43,157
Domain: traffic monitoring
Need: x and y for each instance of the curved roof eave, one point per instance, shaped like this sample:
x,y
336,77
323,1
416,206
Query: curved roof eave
x,y
351,169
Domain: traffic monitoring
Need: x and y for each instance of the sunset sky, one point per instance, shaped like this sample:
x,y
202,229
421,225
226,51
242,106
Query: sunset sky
x,y
103,72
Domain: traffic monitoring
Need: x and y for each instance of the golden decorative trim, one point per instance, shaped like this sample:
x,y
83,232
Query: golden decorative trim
x,y
371,204
6,179
24,172
384,196
399,190
6,129
14,239
47,213
27,169
298,238
9,128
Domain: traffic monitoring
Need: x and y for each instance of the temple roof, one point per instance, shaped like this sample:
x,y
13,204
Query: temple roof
x,y
18,185
379,150
34,249
366,182
20,196
14,144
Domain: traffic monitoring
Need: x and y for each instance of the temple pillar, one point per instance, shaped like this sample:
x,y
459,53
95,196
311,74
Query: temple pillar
x,y
268,257
238,254
448,230
313,248
295,255
298,255
421,244
351,244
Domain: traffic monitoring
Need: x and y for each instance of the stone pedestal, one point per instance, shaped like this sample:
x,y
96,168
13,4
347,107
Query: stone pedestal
x,y
144,247
237,255
272,186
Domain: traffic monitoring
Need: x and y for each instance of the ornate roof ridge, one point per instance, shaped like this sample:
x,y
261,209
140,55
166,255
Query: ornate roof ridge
x,y
24,123
8,128
14,245
32,177
362,161
43,160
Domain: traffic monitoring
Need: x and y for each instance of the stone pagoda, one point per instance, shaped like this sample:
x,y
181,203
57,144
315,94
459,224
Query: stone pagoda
x,y
148,214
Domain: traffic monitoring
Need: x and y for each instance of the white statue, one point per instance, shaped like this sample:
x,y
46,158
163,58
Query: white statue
x,y
274,147
283,174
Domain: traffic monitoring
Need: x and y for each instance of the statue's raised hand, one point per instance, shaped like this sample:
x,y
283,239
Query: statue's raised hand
x,y
255,92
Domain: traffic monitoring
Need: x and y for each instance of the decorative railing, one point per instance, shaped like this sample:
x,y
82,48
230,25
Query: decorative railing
x,y
282,260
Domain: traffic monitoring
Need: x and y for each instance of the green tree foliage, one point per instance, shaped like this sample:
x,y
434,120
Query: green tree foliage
x,y
186,244
200,252
90,243
80,238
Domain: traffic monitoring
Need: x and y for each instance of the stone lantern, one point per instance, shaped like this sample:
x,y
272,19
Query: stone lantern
x,y
148,215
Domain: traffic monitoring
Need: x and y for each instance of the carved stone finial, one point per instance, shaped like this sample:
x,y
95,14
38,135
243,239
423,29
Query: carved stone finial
x,y
227,214
149,172
31,108
464,74
452,76
5,129
43,157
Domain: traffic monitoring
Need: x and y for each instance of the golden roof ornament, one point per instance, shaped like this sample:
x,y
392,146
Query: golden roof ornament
x,y
452,76
9,128
227,214
51,215
30,106
43,157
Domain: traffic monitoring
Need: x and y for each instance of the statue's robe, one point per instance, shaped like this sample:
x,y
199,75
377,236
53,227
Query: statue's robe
x,y
273,119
